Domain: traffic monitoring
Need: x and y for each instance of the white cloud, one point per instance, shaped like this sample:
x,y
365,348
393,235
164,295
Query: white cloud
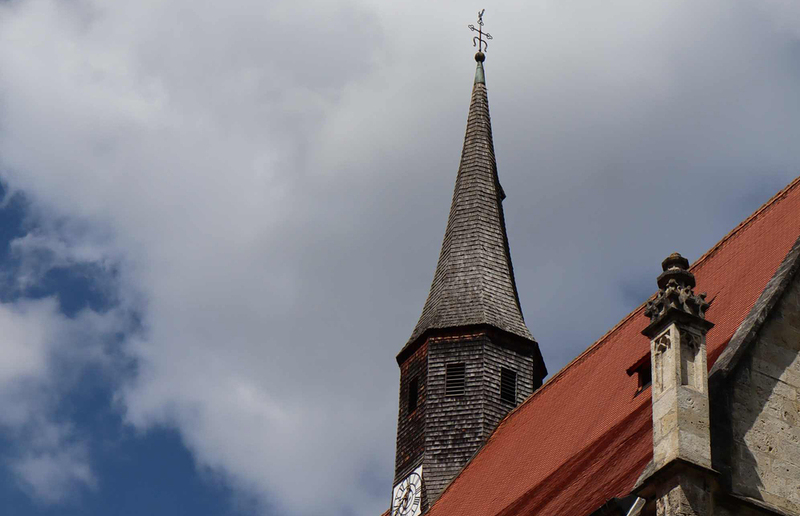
x,y
42,352
271,181
24,349
55,474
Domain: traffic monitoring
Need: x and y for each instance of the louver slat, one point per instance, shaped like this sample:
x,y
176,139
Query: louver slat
x,y
455,380
508,386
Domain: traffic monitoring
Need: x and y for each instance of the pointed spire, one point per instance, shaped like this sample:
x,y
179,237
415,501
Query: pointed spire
x,y
474,279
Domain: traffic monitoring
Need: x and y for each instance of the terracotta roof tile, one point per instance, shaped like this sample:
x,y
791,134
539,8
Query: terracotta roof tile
x,y
585,436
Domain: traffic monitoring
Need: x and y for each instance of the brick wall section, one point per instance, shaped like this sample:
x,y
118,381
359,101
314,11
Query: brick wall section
x,y
411,427
765,410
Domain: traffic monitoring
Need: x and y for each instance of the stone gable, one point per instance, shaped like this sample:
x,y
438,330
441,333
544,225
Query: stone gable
x,y
765,410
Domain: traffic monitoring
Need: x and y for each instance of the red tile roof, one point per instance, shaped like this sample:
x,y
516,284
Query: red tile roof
x,y
585,436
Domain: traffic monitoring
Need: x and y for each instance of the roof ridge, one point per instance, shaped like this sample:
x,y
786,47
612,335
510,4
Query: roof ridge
x,y
746,222
747,331
580,358
749,251
596,344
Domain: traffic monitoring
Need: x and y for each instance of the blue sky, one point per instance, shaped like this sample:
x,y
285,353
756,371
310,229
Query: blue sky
x,y
219,221
138,473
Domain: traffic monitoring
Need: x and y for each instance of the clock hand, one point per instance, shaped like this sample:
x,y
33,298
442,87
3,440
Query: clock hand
x,y
397,509
403,501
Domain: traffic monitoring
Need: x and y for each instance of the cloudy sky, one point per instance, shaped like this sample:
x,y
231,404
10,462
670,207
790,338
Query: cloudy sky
x,y
220,220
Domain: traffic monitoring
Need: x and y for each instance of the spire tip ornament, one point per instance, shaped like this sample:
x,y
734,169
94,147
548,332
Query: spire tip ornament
x,y
480,40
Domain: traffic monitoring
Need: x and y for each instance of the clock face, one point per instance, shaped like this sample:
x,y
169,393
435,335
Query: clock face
x,y
407,496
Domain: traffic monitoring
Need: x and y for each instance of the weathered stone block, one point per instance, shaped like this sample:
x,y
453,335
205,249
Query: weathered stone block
x,y
765,436
686,494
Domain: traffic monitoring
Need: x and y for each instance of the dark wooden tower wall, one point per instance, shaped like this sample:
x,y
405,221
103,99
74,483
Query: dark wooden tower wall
x,y
411,423
523,360
454,423
456,426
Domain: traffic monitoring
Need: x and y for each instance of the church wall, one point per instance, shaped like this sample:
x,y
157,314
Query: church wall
x,y
694,493
411,427
455,427
737,510
498,357
764,440
730,506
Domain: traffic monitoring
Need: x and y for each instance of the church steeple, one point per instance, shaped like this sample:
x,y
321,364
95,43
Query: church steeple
x,y
474,280
470,358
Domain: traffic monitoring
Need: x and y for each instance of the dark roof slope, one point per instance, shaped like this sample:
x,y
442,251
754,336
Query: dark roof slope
x,y
585,436
474,279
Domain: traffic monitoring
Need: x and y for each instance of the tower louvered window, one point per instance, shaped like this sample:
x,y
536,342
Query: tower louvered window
x,y
508,386
455,380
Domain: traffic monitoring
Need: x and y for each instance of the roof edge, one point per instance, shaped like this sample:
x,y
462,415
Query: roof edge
x,y
735,348
580,358
746,222
746,332
434,332
705,256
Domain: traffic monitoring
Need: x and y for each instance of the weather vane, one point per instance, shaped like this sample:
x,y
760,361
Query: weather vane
x,y
480,40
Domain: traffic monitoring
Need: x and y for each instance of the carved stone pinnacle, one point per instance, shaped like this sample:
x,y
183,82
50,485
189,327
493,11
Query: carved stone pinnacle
x,y
675,290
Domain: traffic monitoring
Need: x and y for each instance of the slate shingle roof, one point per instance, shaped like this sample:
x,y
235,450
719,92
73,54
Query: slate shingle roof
x,y
474,279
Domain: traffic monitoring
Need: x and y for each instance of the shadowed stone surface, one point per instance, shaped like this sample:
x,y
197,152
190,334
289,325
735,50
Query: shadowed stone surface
x,y
766,410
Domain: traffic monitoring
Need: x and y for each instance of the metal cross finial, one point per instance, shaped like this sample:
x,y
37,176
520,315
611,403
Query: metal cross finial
x,y
480,40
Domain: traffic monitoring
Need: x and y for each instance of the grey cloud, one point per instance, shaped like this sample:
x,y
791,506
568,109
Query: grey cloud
x,y
274,180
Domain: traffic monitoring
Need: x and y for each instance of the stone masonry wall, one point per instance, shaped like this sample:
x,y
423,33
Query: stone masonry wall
x,y
680,397
729,506
765,411
689,494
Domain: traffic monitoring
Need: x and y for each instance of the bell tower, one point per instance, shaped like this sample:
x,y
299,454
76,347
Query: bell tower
x,y
470,358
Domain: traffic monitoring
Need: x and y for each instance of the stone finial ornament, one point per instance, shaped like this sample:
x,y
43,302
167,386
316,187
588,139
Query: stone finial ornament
x,y
675,290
